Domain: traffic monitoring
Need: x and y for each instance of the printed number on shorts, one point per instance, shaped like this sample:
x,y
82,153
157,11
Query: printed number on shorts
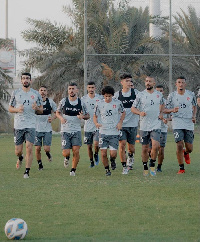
x,y
100,141
141,140
120,133
176,135
63,142
85,139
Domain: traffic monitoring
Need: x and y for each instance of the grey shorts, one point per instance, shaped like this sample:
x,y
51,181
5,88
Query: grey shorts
x,y
146,136
90,137
108,141
71,139
183,134
21,135
129,134
163,140
45,136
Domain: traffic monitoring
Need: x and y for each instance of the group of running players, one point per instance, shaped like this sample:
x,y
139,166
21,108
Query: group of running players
x,y
111,120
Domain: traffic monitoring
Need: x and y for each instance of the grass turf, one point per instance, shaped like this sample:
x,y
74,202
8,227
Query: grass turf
x,y
93,207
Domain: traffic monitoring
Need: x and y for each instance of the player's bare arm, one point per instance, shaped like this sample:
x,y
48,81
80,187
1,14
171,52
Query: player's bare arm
x,y
171,110
81,116
137,111
194,114
59,116
162,107
95,120
198,101
20,109
119,125
38,109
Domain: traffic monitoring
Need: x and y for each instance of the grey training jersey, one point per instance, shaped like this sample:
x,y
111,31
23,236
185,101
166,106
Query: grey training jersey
x,y
90,105
73,123
108,115
183,118
42,124
131,119
27,119
150,104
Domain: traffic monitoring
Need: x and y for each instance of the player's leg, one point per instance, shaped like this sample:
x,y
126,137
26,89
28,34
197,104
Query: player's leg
x,y
113,146
19,138
122,153
122,146
47,139
144,140
160,158
161,155
96,147
179,139
88,140
188,138
75,159
105,162
38,144
131,138
103,144
76,142
155,140
66,146
30,138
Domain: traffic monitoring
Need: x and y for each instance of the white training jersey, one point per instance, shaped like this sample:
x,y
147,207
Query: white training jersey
x,y
108,115
131,119
42,123
73,123
27,119
90,105
183,118
150,104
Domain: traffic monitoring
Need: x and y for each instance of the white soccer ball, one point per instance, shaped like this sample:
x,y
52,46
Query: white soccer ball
x,y
16,228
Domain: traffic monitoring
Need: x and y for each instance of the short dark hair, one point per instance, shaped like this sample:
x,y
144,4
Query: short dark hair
x,y
43,86
125,75
160,86
26,74
72,84
91,83
108,90
180,77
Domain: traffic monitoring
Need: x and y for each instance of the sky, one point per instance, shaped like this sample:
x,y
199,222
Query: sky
x,y
20,10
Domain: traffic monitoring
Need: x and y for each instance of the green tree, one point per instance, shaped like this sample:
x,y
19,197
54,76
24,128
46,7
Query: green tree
x,y
5,82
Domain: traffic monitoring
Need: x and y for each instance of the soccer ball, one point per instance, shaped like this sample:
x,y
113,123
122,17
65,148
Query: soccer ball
x,y
16,228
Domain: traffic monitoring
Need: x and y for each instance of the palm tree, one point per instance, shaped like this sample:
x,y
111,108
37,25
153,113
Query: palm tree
x,y
5,82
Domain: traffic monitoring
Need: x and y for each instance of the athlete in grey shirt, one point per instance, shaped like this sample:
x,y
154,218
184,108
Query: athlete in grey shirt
x,y
108,117
128,133
182,104
149,104
44,128
91,133
70,111
24,103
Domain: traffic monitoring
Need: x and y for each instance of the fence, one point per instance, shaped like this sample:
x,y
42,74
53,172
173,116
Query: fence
x,y
132,36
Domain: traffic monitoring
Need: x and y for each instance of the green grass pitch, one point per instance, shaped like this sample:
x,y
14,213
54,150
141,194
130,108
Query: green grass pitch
x,y
93,207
